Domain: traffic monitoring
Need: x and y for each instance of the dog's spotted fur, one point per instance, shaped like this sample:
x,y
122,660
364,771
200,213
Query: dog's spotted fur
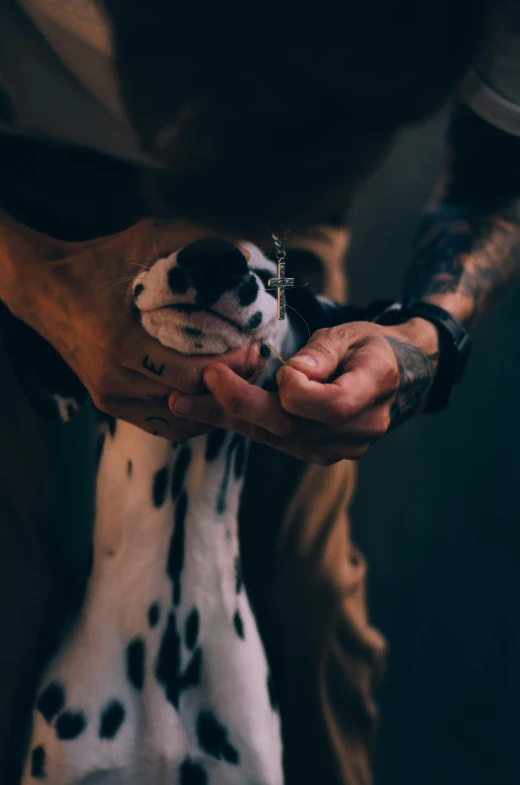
x,y
163,678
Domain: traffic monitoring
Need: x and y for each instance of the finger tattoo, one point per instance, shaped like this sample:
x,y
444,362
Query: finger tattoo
x,y
157,369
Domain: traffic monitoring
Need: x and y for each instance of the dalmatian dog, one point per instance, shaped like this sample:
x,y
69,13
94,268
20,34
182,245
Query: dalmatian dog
x,y
162,678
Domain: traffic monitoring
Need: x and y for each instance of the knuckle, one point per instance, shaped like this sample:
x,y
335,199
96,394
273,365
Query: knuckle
x,y
392,377
383,424
266,437
215,417
284,428
235,405
103,402
320,335
378,426
338,411
189,380
357,452
322,343
102,380
388,370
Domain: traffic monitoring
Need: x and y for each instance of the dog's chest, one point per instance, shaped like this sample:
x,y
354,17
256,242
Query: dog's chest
x,y
164,672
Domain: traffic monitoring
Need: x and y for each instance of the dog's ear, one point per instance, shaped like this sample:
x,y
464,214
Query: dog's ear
x,y
51,387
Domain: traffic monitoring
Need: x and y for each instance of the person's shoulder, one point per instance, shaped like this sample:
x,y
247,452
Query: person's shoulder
x,y
492,85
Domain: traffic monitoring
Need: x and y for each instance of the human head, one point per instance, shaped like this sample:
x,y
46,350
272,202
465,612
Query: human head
x,y
275,112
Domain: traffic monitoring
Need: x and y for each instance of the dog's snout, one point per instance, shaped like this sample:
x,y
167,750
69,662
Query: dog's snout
x,y
213,265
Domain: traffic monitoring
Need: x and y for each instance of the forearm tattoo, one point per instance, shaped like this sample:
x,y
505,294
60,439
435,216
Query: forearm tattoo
x,y
416,376
468,245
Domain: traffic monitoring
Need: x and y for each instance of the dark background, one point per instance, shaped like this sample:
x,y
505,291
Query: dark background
x,y
437,513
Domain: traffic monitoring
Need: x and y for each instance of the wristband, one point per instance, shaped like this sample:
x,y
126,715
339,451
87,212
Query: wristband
x,y
454,344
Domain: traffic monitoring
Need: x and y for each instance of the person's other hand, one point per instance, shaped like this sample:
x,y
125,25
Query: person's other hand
x,y
337,396
78,297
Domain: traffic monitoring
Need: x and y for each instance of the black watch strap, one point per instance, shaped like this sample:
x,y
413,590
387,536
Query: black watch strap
x,y
454,344
454,341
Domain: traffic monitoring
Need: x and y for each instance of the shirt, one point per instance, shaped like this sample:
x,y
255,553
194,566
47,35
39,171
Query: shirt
x,y
57,77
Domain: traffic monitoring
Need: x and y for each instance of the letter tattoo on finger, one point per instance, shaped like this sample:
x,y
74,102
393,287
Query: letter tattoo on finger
x,y
156,369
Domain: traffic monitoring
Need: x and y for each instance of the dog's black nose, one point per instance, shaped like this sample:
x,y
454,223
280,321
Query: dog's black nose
x,y
213,266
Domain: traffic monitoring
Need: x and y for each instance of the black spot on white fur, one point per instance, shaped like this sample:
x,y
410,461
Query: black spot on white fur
x,y
38,763
160,482
176,551
109,421
154,613
135,655
240,457
255,321
238,624
191,629
235,443
181,659
191,773
248,292
214,443
112,717
168,667
70,725
193,332
192,674
169,661
178,281
137,290
51,701
179,472
213,738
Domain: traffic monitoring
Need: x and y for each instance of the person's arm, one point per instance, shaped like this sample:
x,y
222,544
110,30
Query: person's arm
x,y
77,297
468,246
353,382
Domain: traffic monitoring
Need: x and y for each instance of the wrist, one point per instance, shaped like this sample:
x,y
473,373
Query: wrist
x,y
419,332
453,344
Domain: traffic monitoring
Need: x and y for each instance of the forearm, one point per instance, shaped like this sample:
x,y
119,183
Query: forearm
x,y
16,260
26,259
468,245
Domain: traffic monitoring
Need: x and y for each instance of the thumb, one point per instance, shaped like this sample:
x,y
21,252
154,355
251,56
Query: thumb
x,y
318,360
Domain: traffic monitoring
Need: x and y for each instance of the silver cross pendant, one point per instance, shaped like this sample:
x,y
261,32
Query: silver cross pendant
x,y
281,282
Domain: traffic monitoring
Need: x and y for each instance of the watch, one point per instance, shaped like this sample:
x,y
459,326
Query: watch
x,y
454,343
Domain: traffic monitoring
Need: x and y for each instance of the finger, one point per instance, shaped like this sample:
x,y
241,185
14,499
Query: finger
x,y
183,372
321,357
175,435
333,403
366,428
234,396
311,442
116,384
155,419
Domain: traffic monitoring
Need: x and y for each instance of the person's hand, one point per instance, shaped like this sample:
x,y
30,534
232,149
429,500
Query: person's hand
x,y
78,297
337,396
